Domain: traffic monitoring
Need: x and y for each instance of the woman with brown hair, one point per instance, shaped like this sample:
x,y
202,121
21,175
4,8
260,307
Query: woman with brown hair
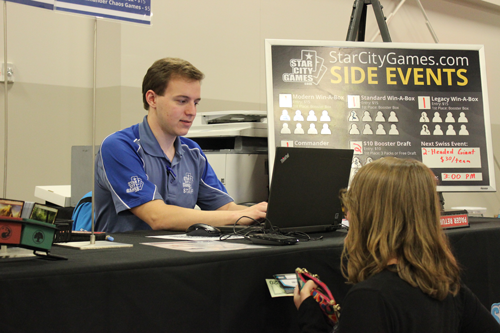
x,y
397,257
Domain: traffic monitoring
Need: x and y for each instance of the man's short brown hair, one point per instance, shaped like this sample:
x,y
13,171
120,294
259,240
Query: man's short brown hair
x,y
160,73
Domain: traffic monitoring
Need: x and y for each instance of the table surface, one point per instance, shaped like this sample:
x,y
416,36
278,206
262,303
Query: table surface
x,y
150,289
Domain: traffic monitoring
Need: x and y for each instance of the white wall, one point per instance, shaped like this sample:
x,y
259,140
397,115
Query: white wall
x,y
50,104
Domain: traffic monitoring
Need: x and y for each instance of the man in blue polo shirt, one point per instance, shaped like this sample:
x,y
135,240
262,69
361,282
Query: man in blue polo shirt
x,y
150,177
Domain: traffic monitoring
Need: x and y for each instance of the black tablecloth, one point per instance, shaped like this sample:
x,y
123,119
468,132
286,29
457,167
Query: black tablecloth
x,y
150,289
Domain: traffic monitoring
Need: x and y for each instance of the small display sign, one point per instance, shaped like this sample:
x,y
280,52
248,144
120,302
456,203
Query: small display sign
x,y
454,219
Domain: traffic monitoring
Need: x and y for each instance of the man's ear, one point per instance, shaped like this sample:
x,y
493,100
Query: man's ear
x,y
151,98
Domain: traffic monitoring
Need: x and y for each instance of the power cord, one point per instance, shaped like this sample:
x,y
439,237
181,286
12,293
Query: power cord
x,y
266,227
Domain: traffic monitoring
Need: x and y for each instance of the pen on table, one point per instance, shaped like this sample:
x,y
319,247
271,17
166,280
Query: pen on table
x,y
109,238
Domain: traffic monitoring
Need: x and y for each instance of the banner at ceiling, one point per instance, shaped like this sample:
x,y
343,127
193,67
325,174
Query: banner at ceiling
x,y
137,11
46,4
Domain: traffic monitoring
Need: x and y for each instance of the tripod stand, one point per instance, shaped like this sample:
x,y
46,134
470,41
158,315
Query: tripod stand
x,y
357,25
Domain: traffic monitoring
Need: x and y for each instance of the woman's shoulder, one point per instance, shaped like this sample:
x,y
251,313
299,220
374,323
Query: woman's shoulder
x,y
387,288
385,279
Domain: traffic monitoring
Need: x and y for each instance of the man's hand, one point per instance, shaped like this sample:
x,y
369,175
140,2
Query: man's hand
x,y
256,212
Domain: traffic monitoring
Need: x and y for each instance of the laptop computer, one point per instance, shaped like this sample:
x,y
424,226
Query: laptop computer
x,y
305,186
304,191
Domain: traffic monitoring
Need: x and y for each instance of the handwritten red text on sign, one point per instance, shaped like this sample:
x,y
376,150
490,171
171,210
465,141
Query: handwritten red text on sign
x,y
452,157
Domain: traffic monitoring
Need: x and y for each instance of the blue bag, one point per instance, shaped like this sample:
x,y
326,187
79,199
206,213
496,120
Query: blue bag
x,y
82,213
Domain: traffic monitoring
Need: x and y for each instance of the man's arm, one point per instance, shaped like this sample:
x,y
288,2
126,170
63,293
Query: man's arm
x,y
232,206
161,216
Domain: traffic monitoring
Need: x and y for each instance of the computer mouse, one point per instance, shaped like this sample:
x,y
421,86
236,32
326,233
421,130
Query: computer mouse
x,y
202,229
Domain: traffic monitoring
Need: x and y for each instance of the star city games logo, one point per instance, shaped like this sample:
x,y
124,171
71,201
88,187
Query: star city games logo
x,y
308,69
188,183
135,184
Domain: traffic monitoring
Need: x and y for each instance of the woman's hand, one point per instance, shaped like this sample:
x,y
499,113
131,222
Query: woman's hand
x,y
300,295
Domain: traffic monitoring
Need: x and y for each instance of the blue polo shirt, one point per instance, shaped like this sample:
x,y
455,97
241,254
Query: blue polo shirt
x,y
132,169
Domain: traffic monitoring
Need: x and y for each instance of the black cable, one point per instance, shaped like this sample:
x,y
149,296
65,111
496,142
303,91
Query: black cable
x,y
257,227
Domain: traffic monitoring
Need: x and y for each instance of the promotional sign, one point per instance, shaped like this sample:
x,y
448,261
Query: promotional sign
x,y
423,101
138,11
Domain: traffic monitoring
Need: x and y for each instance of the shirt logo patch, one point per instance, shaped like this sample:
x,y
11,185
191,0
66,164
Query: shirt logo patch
x,y
135,184
187,183
495,311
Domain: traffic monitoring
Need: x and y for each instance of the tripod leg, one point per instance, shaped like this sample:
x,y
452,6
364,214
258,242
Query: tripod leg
x,y
357,10
362,24
382,24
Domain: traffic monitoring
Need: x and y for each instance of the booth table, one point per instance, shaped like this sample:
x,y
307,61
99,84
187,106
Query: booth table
x,y
150,289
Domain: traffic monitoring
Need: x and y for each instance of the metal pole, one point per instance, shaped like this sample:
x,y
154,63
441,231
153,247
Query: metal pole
x,y
92,236
428,23
6,101
3,248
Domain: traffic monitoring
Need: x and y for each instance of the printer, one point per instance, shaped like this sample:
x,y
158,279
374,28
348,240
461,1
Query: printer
x,y
235,143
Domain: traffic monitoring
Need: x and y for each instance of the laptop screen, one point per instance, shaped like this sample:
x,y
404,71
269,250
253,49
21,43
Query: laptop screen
x,y
305,186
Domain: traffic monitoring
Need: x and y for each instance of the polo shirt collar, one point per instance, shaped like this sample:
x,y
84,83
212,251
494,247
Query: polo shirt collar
x,y
151,145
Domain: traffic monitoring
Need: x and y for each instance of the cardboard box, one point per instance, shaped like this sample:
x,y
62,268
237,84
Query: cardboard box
x,y
56,194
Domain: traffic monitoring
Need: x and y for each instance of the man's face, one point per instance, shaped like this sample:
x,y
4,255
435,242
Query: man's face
x,y
176,109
